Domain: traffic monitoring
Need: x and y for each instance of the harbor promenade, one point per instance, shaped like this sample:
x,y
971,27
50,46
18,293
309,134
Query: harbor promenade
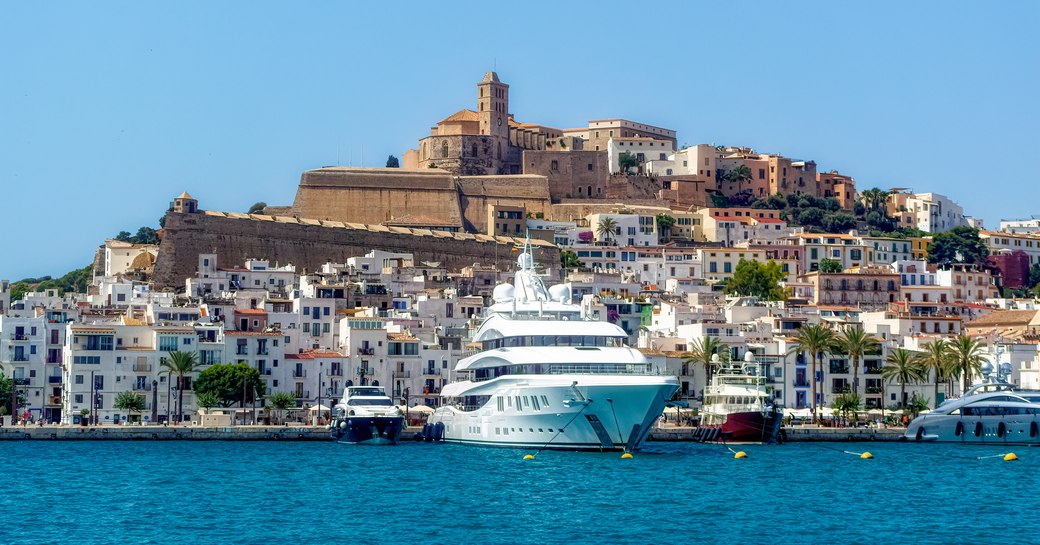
x,y
320,433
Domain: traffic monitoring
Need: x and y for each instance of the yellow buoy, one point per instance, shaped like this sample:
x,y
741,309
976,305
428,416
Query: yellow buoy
x,y
867,456
740,454
529,457
1010,457
626,456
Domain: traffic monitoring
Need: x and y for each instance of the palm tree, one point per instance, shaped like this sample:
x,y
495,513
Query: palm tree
x,y
701,354
606,228
902,365
855,342
967,357
936,358
739,175
816,340
180,364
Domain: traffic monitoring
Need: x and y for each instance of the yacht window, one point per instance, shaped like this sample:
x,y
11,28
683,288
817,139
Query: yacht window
x,y
527,401
501,405
530,430
561,430
545,401
372,402
540,430
550,430
534,402
519,407
509,402
498,431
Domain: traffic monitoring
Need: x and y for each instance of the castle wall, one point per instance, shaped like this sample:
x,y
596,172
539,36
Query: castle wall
x,y
310,243
571,174
376,195
477,192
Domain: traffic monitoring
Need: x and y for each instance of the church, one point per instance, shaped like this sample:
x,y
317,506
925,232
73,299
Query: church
x,y
484,142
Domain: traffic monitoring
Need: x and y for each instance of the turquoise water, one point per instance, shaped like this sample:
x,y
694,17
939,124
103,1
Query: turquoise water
x,y
324,493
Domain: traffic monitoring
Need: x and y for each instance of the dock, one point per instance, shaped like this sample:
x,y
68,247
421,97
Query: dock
x,y
797,434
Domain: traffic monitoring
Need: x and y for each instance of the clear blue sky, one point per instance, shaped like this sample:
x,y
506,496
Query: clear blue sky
x,y
109,110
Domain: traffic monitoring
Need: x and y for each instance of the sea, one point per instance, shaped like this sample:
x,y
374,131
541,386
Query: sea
x,y
317,493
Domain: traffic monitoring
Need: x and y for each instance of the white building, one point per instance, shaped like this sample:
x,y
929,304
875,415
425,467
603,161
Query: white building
x,y
643,148
1029,226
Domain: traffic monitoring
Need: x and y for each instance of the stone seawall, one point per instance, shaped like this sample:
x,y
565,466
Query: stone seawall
x,y
798,434
308,244
174,433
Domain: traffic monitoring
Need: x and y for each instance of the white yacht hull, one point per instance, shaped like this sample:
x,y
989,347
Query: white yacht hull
x,y
1012,429
583,412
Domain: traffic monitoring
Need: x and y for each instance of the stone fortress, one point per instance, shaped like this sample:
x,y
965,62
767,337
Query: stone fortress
x,y
473,164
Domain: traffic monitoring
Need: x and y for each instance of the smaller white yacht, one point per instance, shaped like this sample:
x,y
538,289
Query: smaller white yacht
x,y
992,412
366,415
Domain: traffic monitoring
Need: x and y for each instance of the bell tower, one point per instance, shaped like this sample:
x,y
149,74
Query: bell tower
x,y
493,106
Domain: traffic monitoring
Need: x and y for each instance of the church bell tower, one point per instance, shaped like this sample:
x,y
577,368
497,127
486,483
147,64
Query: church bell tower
x,y
493,106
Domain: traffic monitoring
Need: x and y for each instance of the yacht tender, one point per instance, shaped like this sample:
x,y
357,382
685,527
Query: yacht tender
x,y
548,377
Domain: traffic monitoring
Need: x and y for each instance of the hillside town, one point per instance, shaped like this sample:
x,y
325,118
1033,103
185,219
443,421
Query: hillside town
x,y
693,250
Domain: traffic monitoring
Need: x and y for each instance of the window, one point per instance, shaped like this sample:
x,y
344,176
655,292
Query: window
x,y
444,148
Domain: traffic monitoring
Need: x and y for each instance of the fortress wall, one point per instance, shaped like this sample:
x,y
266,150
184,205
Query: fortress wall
x,y
376,195
310,243
477,192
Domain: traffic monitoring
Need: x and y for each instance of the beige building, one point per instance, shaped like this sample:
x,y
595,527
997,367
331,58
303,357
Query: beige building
x,y
718,264
504,220
867,286
600,131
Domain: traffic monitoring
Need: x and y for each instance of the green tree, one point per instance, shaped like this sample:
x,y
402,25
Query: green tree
x,y
701,353
281,402
828,265
129,402
855,342
257,208
230,384
916,405
145,235
1034,276
847,404
665,224
392,162
627,161
607,228
958,245
569,260
206,400
180,364
718,200
968,355
936,359
817,340
5,395
755,279
740,176
123,236
902,366
836,222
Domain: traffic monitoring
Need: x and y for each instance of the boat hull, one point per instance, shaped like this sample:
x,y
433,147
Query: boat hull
x,y
1012,429
747,427
572,412
368,430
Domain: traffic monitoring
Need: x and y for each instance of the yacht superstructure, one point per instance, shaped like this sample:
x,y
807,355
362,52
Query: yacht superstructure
x,y
992,412
546,377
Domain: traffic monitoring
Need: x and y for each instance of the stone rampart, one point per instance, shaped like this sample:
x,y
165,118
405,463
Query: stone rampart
x,y
309,243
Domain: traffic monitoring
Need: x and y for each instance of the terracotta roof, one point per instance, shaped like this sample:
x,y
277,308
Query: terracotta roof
x,y
253,333
311,355
1004,317
144,260
461,115
185,196
251,311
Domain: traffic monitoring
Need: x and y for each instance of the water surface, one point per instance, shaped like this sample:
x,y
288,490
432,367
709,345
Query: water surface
x,y
292,493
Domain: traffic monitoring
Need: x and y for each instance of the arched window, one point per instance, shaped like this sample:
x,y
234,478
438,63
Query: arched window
x,y
590,190
499,153
444,148
474,150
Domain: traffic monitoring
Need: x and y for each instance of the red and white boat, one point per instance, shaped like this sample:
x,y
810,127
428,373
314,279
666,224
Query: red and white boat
x,y
737,406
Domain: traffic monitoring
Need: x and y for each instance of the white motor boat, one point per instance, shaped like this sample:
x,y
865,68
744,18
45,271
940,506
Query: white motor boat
x,y
366,415
992,412
547,377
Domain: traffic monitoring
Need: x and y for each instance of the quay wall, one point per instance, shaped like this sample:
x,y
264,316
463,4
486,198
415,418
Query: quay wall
x,y
798,435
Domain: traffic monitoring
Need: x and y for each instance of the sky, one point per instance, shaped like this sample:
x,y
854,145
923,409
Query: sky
x,y
108,110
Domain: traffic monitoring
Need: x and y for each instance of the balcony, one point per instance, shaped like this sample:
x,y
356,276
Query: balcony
x,y
54,400
54,380
840,369
299,373
873,389
366,351
17,337
802,383
303,394
402,374
20,357
262,352
841,389
141,387
242,351
432,372
54,359
21,382
335,373
142,368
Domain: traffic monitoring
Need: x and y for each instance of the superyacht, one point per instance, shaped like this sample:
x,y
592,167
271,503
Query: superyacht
x,y
548,377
